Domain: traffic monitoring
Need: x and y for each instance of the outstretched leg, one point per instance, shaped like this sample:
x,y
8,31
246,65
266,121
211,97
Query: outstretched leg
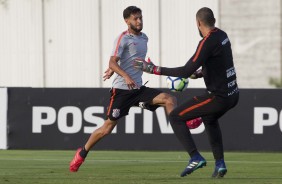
x,y
165,100
95,137
99,133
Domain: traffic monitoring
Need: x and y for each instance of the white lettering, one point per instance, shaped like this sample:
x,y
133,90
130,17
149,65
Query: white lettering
x,y
260,121
148,122
38,120
230,72
233,91
91,118
63,120
224,41
130,120
231,84
280,120
165,126
70,118
198,130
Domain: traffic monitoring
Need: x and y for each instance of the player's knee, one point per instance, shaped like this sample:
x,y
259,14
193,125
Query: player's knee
x,y
170,100
106,129
104,132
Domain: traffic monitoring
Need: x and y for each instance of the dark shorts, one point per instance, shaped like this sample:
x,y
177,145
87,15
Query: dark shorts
x,y
122,100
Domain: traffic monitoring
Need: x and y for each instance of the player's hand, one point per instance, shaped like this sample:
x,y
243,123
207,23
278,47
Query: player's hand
x,y
197,74
130,82
146,66
108,73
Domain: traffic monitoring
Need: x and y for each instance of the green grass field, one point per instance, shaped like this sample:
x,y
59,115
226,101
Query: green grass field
x,y
124,167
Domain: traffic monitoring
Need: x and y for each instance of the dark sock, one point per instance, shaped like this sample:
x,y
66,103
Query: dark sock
x,y
83,153
219,160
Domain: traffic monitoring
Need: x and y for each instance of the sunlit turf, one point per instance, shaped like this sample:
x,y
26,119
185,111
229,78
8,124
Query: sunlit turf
x,y
124,167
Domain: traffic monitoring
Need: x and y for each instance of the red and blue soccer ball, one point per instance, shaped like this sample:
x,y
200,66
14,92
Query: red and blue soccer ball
x,y
177,84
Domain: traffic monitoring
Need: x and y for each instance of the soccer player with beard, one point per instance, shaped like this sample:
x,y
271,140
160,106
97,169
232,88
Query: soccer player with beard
x,y
127,89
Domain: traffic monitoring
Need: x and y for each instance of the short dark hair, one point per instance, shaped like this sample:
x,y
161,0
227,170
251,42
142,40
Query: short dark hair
x,y
130,10
206,16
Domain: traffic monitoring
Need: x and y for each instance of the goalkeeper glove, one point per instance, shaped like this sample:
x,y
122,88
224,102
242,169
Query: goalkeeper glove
x,y
146,66
197,74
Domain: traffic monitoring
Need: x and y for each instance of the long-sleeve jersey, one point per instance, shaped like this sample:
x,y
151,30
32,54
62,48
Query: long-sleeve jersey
x,y
214,55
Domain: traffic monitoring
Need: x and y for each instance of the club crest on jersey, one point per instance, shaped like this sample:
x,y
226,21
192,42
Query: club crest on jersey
x,y
116,113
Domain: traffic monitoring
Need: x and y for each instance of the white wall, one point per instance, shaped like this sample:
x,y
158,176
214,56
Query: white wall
x,y
21,43
171,29
72,43
180,35
67,43
113,24
255,35
3,117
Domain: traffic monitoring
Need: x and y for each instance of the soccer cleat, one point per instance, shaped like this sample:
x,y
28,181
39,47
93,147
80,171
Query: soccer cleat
x,y
76,161
195,163
194,123
146,105
220,169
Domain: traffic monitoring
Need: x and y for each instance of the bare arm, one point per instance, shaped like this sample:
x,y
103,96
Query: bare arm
x,y
117,69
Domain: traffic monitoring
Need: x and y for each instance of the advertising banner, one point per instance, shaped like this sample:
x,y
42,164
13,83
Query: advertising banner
x,y
64,118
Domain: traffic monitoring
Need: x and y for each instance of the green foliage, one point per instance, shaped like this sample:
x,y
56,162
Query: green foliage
x,y
275,82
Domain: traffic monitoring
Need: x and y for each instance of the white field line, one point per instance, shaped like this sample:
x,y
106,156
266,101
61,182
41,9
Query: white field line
x,y
140,161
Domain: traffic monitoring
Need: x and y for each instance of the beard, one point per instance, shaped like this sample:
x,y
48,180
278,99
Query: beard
x,y
136,29
200,33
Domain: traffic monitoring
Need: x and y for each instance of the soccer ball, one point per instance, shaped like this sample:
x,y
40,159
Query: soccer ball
x,y
177,83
